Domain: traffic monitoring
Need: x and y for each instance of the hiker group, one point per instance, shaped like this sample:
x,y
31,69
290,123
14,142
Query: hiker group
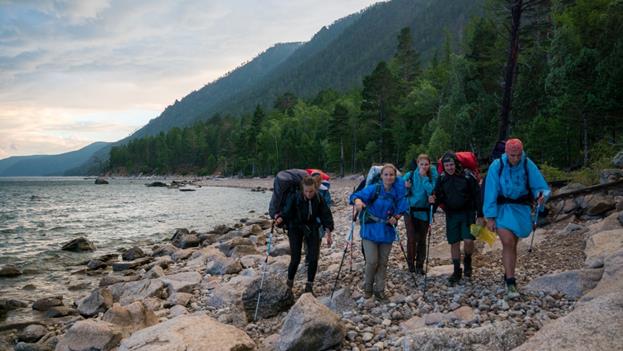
x,y
502,203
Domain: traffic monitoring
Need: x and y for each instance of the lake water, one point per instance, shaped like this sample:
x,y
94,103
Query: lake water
x,y
38,215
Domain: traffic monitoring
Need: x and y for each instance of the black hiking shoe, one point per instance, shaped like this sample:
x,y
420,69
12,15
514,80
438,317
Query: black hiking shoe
x,y
411,268
309,288
419,270
467,264
380,295
290,284
455,277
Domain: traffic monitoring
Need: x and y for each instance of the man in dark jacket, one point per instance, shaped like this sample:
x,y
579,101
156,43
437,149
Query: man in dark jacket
x,y
457,190
300,214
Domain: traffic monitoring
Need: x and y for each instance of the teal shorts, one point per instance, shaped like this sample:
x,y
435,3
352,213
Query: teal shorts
x,y
457,226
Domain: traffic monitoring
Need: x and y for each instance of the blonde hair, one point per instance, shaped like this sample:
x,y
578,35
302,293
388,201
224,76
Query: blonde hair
x,y
389,165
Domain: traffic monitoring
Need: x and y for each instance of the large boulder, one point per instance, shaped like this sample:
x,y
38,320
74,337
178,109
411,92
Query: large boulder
x,y
163,250
342,300
131,318
114,279
280,249
98,301
221,229
101,180
9,271
126,293
310,326
276,297
89,335
596,321
191,333
132,254
597,204
609,223
182,282
10,305
184,239
573,284
78,245
499,336
610,175
602,244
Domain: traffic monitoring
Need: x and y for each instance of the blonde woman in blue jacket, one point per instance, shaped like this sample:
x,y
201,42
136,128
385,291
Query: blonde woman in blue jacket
x,y
381,206
420,184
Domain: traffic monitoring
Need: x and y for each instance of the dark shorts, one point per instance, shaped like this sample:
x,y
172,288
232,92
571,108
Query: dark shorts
x,y
457,226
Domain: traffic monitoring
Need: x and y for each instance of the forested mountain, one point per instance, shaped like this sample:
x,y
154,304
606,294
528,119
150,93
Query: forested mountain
x,y
47,165
337,57
565,69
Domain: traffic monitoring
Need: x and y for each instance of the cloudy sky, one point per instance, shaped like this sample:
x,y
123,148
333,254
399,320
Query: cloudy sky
x,y
77,71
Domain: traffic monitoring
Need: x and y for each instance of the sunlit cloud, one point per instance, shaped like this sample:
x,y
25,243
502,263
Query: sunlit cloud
x,y
87,63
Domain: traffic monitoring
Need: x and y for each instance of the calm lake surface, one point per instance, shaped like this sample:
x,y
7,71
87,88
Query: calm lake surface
x,y
39,214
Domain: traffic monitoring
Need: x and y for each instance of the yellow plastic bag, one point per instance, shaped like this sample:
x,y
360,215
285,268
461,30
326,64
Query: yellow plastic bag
x,y
482,233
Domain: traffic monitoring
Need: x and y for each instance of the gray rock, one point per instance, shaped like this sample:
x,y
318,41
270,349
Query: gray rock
x,y
156,184
602,244
573,284
133,254
223,265
207,239
221,229
243,250
177,311
90,335
189,332
609,223
130,318
122,266
178,298
498,336
98,301
310,325
280,249
610,175
154,273
276,297
182,282
620,217
184,239
10,271
573,228
101,180
114,279
95,265
126,293
60,311
32,333
341,302
163,250
79,245
24,346
569,188
10,305
617,160
45,303
597,204
596,321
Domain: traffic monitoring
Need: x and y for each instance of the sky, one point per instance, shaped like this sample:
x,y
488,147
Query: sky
x,y
76,72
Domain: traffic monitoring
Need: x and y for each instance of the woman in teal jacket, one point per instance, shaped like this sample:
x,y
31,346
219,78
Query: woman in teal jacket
x,y
384,204
513,181
420,184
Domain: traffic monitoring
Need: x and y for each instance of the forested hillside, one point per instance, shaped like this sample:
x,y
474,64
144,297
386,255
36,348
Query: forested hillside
x,y
566,101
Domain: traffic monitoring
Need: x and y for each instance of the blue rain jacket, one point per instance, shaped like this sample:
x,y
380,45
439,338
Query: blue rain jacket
x,y
512,184
387,204
421,189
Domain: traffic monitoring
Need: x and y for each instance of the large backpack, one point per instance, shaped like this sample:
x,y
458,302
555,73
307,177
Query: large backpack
x,y
467,161
286,183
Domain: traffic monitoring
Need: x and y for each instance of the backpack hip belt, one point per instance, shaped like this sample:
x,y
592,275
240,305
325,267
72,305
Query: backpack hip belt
x,y
522,200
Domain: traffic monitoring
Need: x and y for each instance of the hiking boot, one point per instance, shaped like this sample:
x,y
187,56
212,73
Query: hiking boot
x,y
419,270
467,271
411,268
367,294
511,291
380,295
309,288
455,277
290,284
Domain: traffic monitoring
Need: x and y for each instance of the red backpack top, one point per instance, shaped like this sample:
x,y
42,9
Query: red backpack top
x,y
467,160
323,175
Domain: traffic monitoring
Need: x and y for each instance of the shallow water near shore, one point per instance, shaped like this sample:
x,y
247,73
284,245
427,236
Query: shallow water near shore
x,y
39,214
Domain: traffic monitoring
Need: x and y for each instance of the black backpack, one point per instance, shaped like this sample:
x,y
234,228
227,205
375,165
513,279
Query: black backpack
x,y
286,184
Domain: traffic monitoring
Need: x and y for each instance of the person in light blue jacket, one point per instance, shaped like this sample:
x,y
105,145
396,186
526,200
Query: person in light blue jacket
x,y
513,183
384,204
420,184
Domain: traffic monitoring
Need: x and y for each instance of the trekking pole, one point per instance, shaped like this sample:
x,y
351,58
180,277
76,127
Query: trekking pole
x,y
259,294
348,244
428,235
403,252
536,219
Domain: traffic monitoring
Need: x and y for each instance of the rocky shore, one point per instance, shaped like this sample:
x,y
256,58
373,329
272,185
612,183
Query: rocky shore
x,y
198,291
